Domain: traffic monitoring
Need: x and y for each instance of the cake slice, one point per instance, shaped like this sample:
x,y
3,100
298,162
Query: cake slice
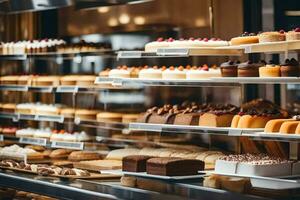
x,y
135,163
214,120
273,126
289,127
174,166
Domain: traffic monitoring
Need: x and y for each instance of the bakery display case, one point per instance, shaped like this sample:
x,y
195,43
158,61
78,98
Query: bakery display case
x,y
110,112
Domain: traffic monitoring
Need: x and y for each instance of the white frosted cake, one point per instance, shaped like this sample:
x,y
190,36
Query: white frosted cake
x,y
173,73
150,73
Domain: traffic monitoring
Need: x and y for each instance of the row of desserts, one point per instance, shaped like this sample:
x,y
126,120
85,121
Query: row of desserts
x,y
245,38
290,68
254,114
49,45
284,126
36,80
54,109
54,135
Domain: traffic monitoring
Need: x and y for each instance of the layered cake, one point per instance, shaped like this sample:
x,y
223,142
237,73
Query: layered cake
x,y
173,73
9,107
202,72
293,35
109,117
159,43
249,69
229,68
218,115
120,72
256,114
290,67
174,166
271,36
9,80
189,115
46,81
254,165
245,38
135,163
163,115
25,80
151,73
269,70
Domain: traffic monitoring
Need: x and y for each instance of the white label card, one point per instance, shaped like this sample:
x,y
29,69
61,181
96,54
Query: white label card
x,y
68,145
33,141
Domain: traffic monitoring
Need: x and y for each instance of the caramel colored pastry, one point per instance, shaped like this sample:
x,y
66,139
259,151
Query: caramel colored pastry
x,y
289,127
245,38
67,112
269,70
289,68
163,115
46,81
104,73
69,80
273,126
135,163
189,115
249,69
85,114
86,80
109,117
229,69
119,154
128,118
212,181
9,107
293,35
25,80
271,37
128,181
60,153
256,114
96,165
297,131
174,166
83,155
234,184
9,80
35,147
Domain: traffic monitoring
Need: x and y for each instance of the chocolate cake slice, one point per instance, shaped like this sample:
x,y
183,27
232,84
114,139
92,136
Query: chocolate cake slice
x,y
135,163
174,166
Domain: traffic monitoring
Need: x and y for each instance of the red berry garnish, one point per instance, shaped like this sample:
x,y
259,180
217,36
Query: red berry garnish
x,y
205,40
282,31
205,68
241,113
297,29
170,40
191,38
160,39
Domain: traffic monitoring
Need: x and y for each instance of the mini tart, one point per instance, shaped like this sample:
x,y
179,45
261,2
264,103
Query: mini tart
x,y
85,114
293,35
109,117
68,112
174,73
119,73
244,39
104,73
229,69
128,118
9,107
69,80
47,81
25,80
271,37
9,80
249,69
86,80
150,73
290,68
269,71
289,127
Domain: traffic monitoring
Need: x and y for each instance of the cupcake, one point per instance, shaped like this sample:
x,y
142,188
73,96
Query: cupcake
x,y
290,68
269,70
249,69
229,69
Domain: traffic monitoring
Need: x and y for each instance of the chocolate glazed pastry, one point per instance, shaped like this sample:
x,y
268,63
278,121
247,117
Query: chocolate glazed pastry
x,y
229,69
164,115
290,68
249,69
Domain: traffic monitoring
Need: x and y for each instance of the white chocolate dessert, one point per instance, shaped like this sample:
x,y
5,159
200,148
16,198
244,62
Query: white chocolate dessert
x,y
173,73
43,133
151,73
159,43
120,72
27,132
254,165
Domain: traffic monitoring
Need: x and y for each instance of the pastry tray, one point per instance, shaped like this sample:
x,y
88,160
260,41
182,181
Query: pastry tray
x,y
150,176
274,183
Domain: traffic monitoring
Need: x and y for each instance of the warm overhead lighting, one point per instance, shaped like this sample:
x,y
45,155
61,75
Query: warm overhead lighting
x,y
124,19
104,9
139,20
200,22
113,22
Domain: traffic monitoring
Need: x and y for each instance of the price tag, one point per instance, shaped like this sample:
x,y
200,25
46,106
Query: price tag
x,y
67,89
33,141
235,132
129,54
54,118
67,145
181,52
1,138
